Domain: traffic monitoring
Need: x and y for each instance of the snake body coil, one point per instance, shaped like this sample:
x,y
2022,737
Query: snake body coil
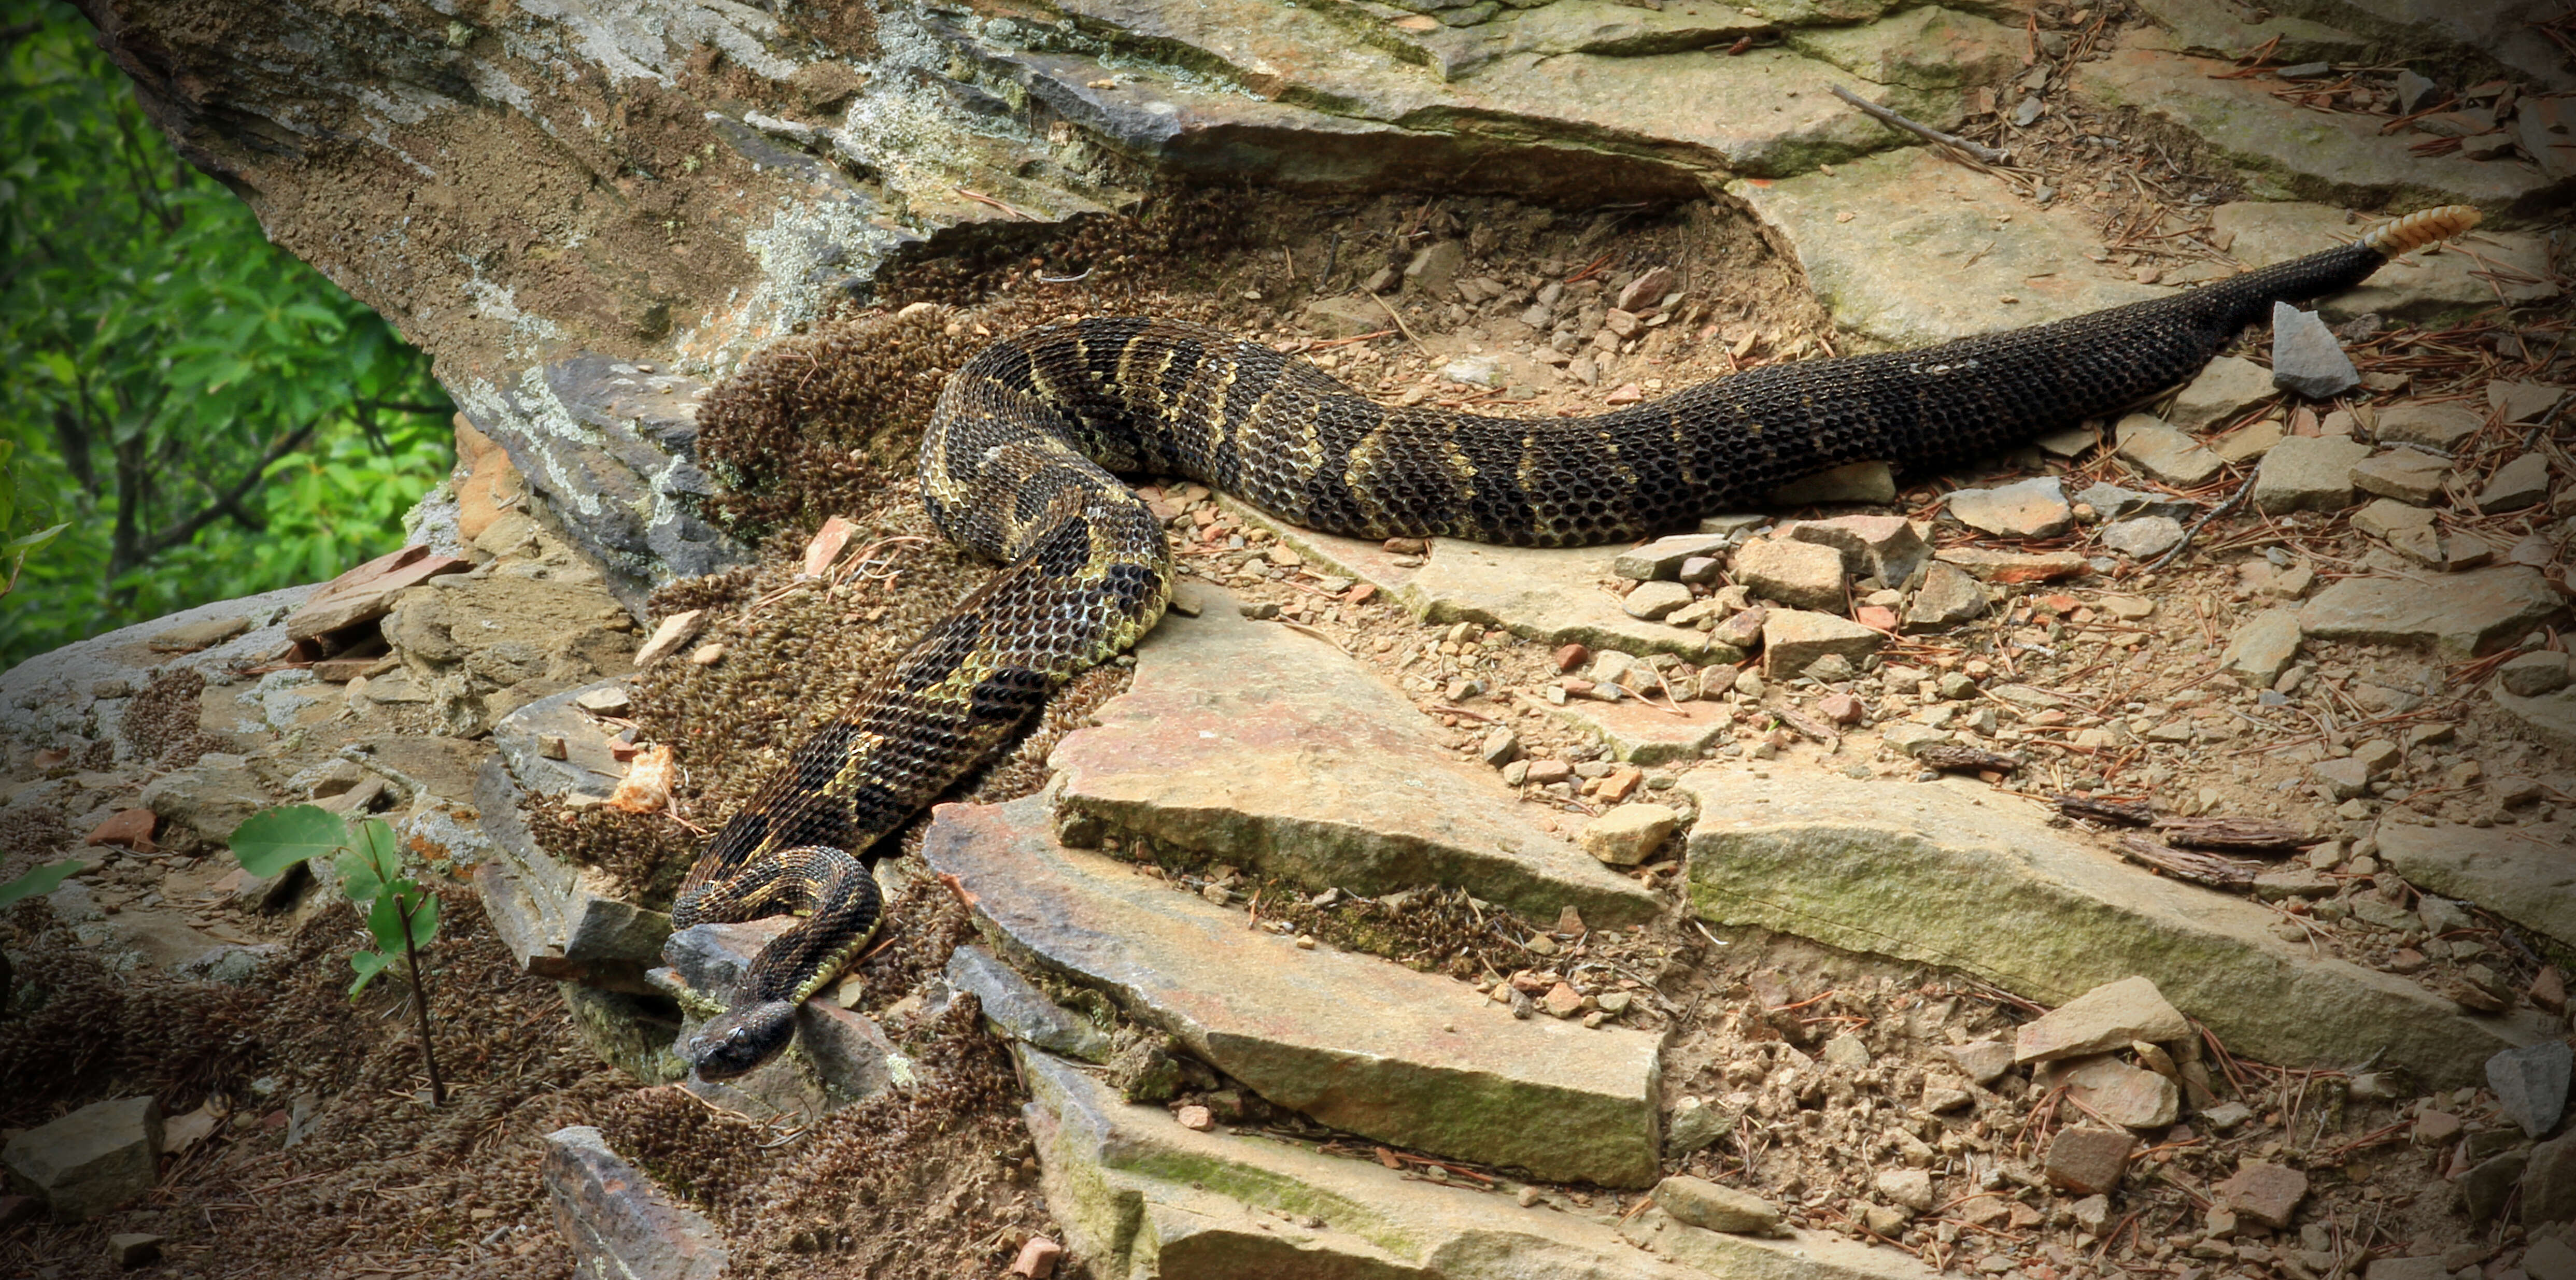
x,y
1017,459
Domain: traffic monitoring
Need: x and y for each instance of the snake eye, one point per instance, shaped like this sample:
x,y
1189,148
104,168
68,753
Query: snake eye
x,y
739,1035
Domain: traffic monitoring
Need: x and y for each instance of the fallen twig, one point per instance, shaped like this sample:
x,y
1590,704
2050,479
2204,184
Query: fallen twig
x,y
2242,492
1981,152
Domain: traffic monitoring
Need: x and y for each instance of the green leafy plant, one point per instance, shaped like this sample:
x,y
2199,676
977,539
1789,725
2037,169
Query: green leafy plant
x,y
44,879
15,543
401,914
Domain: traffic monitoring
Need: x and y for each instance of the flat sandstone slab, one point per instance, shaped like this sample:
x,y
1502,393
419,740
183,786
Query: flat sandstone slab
x,y
1905,249
1357,1042
2462,615
1275,750
2314,155
1950,873
2525,874
1139,1195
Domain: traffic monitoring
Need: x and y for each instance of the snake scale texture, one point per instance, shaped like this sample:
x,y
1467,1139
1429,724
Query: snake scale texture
x,y
1017,463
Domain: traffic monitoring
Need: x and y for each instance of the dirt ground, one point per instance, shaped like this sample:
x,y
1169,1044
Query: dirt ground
x,y
325,1161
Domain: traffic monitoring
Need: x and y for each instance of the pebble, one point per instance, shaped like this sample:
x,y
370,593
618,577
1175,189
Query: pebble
x,y
2263,1192
2307,473
1653,600
2144,538
2440,426
1802,575
131,1249
1840,708
2226,387
2035,508
2520,483
2108,1017
1195,1117
2530,1084
1949,596
2524,676
2166,455
2089,1161
2306,358
1626,834
2408,475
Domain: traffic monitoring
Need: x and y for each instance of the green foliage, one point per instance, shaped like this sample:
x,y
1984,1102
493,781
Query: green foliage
x,y
201,414
401,914
44,879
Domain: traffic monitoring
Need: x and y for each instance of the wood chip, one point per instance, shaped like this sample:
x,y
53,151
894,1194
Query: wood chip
x,y
2183,864
1953,756
2236,835
2118,813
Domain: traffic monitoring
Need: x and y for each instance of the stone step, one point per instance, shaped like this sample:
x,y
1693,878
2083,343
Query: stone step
x,y
2290,151
1905,249
1354,1041
1138,1195
1272,749
2526,874
1954,874
1550,595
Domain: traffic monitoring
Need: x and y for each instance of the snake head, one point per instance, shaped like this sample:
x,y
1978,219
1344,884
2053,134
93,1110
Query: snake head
x,y
741,1038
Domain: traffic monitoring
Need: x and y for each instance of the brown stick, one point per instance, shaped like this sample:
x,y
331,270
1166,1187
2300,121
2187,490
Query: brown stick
x,y
1983,153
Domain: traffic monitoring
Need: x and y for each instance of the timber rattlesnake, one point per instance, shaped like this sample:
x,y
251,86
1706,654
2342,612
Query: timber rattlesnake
x,y
1016,463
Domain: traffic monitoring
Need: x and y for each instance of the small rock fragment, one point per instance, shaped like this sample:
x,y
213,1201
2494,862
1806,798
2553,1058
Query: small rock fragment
x,y
1627,834
2089,1161
2531,1083
2035,508
1799,574
2520,482
2306,358
2105,1018
2225,387
1037,1258
2144,538
2263,1192
92,1160
1713,1207
1911,1188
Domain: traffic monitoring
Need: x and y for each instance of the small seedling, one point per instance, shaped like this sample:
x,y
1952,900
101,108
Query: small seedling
x,y
401,914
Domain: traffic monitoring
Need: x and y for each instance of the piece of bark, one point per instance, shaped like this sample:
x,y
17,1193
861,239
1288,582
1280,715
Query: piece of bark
x,y
2234,835
2184,864
1952,756
2118,813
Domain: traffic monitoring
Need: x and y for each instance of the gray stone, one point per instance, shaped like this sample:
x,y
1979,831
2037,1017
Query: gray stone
x,y
1653,600
1706,1204
2014,566
2307,473
2306,358
2551,717
1855,482
1884,547
1344,316
1137,1194
2530,1085
2460,615
2520,482
617,1221
2226,387
2262,647
1663,557
1280,752
2532,674
2166,455
1801,575
2487,1185
1354,1041
1023,1012
1949,596
92,1160
1955,874
2034,508
2408,475
2549,1190
1792,639
1637,733
2111,1016
2439,425
213,796
2143,538
2343,779
2111,502
1894,252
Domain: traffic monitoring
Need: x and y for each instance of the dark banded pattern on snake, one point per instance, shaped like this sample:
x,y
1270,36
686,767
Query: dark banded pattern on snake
x,y
1017,463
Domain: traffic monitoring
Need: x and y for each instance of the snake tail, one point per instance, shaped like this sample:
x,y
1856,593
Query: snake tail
x,y
1017,463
